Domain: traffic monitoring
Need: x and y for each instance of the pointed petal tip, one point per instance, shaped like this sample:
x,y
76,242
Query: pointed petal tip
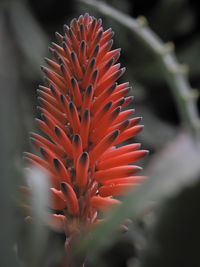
x,y
44,69
56,163
63,187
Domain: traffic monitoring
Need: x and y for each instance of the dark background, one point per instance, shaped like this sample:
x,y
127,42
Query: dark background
x,y
166,235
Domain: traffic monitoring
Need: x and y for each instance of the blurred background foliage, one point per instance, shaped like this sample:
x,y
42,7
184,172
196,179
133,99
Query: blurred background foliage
x,y
165,210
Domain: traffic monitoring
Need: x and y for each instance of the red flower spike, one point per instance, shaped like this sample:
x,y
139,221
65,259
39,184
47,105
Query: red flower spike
x,y
82,113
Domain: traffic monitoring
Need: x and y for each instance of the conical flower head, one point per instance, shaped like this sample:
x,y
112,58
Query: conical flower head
x,y
82,112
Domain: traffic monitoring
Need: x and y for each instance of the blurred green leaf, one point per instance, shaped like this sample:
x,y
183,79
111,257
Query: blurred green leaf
x,y
8,133
33,247
28,33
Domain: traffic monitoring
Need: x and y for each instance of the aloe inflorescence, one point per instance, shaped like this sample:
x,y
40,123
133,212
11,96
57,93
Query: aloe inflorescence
x,y
82,113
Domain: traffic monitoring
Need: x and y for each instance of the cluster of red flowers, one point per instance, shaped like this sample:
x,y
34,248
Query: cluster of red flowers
x,y
82,112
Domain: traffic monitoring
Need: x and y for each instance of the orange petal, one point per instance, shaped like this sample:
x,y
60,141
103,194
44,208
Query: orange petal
x,y
76,147
82,169
123,159
74,117
117,172
120,151
102,146
87,101
63,141
125,180
62,172
115,190
84,128
57,200
129,133
76,92
103,203
100,131
70,198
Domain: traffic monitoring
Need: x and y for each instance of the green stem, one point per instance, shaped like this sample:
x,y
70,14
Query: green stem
x,y
174,73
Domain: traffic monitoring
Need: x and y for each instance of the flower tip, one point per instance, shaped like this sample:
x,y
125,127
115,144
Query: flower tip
x,y
84,157
63,187
62,99
62,67
89,89
76,139
56,163
44,118
40,86
83,44
56,130
58,36
73,81
46,60
86,114
71,106
43,151
43,69
114,135
145,153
